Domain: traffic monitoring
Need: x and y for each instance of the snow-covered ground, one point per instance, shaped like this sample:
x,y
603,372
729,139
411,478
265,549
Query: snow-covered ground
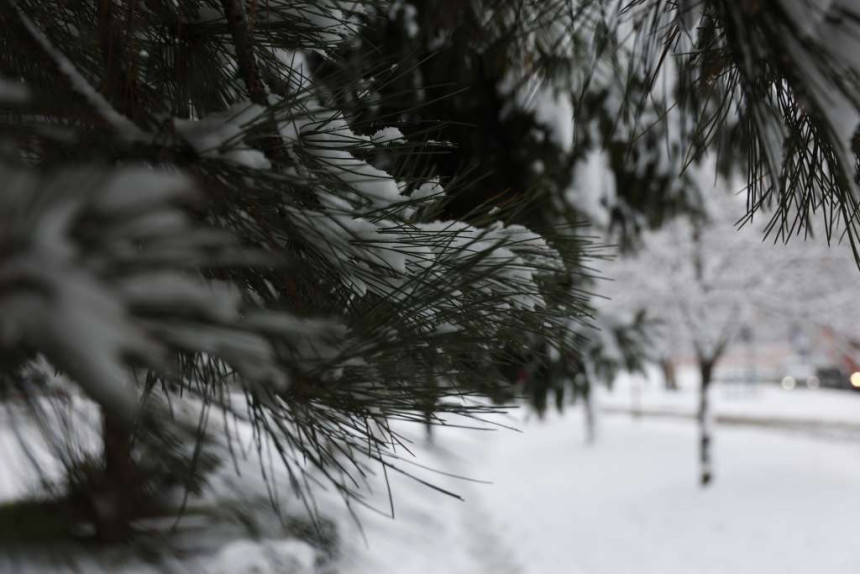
x,y
739,403
782,501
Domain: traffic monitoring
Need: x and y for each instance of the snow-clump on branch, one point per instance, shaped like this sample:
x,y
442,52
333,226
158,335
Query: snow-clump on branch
x,y
313,293
219,134
103,272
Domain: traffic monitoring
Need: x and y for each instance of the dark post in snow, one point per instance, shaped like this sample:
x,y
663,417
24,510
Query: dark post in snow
x,y
590,423
669,378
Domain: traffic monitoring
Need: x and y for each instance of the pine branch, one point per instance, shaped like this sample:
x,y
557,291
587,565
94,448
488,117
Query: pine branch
x,y
29,35
243,40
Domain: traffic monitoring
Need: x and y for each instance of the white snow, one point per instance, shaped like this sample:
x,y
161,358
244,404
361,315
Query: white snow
x,y
552,108
555,111
388,135
219,134
254,557
739,403
592,187
781,502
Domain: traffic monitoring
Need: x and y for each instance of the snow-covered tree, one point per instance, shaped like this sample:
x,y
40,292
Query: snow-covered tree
x,y
546,110
768,89
189,214
774,87
597,107
706,280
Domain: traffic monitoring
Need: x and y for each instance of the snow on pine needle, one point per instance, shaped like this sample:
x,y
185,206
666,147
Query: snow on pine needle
x,y
102,270
308,278
780,78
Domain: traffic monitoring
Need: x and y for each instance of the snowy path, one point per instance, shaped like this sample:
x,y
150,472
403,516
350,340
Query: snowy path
x,y
460,537
630,504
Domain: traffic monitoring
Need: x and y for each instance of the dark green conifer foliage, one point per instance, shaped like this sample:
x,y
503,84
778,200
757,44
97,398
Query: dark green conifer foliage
x,y
183,189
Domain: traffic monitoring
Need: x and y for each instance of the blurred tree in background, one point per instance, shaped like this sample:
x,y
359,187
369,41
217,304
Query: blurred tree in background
x,y
707,283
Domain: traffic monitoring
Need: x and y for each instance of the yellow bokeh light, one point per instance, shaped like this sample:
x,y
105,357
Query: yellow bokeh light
x,y
855,379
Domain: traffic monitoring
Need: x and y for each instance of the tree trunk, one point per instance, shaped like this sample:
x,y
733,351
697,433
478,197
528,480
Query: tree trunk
x,y
113,506
669,378
706,371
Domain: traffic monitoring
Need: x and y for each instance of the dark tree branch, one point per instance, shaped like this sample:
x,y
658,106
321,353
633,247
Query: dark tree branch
x,y
26,33
244,42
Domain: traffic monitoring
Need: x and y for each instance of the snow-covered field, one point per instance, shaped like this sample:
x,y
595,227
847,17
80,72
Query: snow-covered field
x,y
782,501
762,404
